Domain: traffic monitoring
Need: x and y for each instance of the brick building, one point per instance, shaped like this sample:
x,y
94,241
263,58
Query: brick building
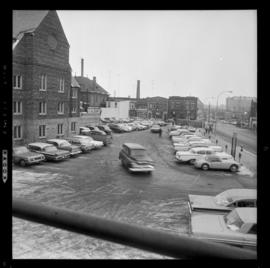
x,y
157,107
41,78
189,108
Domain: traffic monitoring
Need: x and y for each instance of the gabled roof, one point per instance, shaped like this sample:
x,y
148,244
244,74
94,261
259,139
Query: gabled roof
x,y
87,85
26,21
74,82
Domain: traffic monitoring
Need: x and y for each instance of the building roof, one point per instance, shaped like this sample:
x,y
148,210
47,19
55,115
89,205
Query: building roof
x,y
74,82
26,21
87,84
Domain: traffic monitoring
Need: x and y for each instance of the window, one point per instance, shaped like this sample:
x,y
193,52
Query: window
x,y
17,107
73,126
253,229
61,85
17,132
60,129
74,93
17,81
43,82
42,108
74,109
42,131
60,108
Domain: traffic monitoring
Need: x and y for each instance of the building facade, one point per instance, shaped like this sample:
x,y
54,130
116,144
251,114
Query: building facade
x,y
239,104
189,108
41,78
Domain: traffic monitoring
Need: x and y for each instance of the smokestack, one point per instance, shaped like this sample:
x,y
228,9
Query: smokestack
x,y
138,89
82,66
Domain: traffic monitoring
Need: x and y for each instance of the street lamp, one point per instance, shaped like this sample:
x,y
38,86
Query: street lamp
x,y
226,91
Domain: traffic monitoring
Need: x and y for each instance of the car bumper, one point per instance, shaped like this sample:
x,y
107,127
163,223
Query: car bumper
x,y
75,153
147,168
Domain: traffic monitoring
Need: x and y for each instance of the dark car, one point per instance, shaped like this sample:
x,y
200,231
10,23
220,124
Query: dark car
x,y
50,152
65,145
155,129
23,156
105,128
134,157
116,128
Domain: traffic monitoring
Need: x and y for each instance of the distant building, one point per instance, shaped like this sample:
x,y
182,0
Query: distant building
x,y
239,104
189,108
157,107
119,109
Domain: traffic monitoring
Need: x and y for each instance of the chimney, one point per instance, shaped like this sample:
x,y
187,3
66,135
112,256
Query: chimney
x,y
82,65
138,90
94,82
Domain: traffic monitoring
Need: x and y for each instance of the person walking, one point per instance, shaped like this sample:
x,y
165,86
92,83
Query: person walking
x,y
160,132
239,156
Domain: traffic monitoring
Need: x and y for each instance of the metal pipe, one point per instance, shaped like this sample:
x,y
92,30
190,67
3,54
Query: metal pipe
x,y
176,246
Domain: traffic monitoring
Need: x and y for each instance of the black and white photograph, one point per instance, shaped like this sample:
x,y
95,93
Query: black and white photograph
x,y
134,134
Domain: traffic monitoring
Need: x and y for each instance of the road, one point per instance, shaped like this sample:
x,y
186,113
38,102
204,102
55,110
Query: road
x,y
245,137
97,184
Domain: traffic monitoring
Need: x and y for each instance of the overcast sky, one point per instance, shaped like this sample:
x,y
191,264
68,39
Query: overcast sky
x,y
172,53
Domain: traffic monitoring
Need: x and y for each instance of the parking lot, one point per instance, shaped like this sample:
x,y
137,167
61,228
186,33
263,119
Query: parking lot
x,y
96,183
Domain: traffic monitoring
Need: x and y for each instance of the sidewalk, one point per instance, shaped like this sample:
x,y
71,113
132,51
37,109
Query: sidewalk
x,y
248,159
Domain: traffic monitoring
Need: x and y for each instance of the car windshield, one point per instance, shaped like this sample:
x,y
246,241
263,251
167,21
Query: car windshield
x,y
50,149
233,221
138,153
21,150
65,143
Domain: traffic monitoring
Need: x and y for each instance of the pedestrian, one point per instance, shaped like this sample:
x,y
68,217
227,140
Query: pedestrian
x,y
160,132
216,141
239,156
226,147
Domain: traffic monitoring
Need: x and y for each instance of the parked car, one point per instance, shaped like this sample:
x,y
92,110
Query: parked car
x,y
65,145
178,131
24,157
192,129
237,228
96,144
155,129
116,128
221,161
50,152
224,201
161,123
85,145
97,135
193,154
105,128
93,128
135,158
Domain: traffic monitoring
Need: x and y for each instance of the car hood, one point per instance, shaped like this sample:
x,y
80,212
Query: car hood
x,y
204,202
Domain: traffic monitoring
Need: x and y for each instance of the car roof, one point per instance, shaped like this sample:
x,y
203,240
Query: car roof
x,y
237,194
247,215
134,146
40,144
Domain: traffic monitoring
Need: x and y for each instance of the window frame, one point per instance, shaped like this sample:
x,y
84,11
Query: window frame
x,y
16,81
16,105
73,127
61,127
62,110
74,96
42,108
61,85
17,129
42,130
43,82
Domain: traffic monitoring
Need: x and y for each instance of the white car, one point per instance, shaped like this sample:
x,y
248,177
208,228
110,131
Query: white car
x,y
193,154
178,132
97,144
223,202
237,228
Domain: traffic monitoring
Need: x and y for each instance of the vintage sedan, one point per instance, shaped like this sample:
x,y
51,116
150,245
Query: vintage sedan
x,y
105,128
193,154
223,202
221,161
96,144
85,145
134,157
155,129
178,132
237,228
116,128
24,157
65,145
97,135
50,152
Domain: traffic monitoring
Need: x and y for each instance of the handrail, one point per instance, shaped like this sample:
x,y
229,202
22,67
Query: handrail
x,y
177,246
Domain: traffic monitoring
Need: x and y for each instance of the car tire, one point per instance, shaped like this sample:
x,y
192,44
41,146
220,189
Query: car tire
x,y
205,167
233,168
22,163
